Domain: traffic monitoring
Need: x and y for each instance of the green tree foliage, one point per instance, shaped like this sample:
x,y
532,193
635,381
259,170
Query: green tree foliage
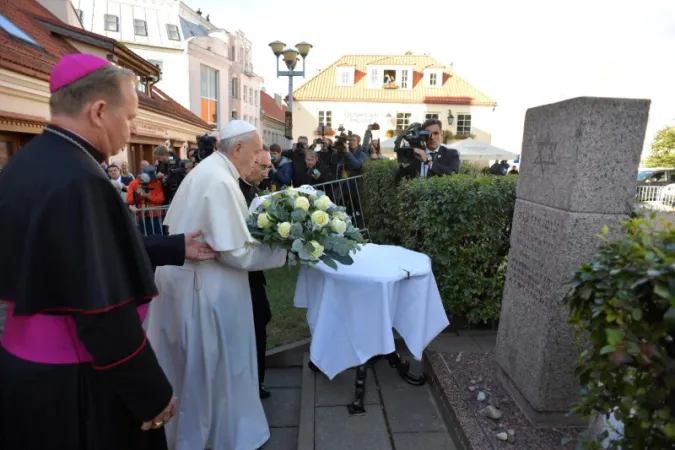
x,y
623,304
663,149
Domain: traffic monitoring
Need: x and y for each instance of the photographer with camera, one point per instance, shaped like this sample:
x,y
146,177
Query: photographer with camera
x,y
297,157
281,174
425,156
146,191
170,171
347,160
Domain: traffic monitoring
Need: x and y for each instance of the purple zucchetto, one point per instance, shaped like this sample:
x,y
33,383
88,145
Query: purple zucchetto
x,y
71,68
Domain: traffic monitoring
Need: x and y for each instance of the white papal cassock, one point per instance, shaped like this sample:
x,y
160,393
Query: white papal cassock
x,y
201,326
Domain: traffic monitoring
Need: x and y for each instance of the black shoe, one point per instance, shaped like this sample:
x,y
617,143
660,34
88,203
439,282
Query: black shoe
x,y
264,392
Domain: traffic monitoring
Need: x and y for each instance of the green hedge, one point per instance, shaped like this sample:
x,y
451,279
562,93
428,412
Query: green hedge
x,y
462,222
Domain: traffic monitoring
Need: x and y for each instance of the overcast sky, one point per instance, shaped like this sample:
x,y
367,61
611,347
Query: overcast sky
x,y
522,53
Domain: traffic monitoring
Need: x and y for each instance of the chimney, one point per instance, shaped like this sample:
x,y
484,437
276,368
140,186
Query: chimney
x,y
208,17
277,100
199,11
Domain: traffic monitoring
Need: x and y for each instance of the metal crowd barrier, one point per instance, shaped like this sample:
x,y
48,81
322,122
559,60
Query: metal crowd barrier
x,y
343,192
150,220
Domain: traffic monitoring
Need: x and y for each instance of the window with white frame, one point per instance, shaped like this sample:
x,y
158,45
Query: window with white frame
x,y
112,23
172,32
404,79
345,76
374,78
257,97
140,27
234,114
463,123
433,79
209,95
256,122
431,115
245,91
326,118
402,121
250,95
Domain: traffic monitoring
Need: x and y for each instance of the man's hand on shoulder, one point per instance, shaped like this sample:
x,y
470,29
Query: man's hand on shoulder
x,y
195,250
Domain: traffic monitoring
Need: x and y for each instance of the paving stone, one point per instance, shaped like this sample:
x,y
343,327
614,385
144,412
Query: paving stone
x,y
449,343
283,407
282,439
411,410
336,430
284,378
439,440
340,391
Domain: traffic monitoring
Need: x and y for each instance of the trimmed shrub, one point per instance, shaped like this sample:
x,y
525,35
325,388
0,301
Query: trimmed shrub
x,y
623,304
463,222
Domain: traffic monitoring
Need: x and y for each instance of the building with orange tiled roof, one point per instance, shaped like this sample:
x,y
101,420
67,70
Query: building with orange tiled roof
x,y
273,115
393,91
33,39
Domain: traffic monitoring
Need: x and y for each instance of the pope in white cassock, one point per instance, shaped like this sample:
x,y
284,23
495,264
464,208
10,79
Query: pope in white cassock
x,y
201,326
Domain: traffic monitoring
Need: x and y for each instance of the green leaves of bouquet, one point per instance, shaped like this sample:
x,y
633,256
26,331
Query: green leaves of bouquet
x,y
311,226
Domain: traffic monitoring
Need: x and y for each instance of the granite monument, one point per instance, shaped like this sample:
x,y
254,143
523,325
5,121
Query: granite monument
x,y
578,173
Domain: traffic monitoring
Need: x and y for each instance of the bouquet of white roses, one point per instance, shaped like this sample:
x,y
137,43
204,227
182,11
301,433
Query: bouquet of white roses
x,y
308,223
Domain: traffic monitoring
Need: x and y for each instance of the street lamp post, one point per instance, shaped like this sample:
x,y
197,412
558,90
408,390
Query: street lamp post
x,y
290,57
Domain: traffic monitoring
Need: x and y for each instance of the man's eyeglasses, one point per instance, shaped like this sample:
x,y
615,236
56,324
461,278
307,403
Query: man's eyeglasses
x,y
264,168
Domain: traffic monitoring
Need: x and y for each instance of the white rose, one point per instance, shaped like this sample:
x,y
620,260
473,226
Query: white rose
x,y
339,226
284,229
302,203
323,203
319,219
264,221
266,204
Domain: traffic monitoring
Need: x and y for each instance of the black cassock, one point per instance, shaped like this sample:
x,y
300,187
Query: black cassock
x,y
76,371
262,314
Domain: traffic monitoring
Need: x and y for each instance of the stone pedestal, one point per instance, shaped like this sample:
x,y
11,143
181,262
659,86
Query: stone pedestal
x,y
578,173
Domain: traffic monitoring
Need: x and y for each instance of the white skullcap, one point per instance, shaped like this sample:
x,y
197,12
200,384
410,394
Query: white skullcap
x,y
236,128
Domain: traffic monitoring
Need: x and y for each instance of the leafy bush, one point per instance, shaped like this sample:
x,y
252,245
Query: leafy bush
x,y
623,304
463,222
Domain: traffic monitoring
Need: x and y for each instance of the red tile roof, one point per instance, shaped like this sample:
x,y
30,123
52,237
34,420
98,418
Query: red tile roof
x,y
455,90
271,109
34,61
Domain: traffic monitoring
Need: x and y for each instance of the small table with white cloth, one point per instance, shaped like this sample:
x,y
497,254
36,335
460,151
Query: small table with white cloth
x,y
351,312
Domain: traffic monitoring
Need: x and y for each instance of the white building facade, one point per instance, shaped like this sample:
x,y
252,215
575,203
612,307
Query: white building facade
x,y
197,59
394,92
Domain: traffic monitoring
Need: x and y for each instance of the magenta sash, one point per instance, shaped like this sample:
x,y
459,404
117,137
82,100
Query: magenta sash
x,y
47,339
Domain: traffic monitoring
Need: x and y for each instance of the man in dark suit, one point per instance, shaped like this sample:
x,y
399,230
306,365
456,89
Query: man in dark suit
x,y
436,160
261,306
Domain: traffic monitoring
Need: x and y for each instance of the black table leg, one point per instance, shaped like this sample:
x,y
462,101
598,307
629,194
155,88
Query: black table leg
x,y
356,408
403,369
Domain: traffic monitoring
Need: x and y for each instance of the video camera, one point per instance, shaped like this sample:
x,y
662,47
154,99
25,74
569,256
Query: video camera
x,y
341,143
415,137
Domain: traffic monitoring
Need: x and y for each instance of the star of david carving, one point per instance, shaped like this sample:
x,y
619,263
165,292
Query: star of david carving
x,y
545,154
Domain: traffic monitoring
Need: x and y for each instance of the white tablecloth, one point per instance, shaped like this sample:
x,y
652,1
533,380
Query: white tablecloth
x,y
351,311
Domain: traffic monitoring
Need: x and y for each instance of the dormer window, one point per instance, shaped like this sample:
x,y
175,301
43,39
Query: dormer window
x,y
434,78
345,76
172,32
112,23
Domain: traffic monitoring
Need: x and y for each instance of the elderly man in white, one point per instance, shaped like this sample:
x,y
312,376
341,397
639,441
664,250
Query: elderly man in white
x,y
201,327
